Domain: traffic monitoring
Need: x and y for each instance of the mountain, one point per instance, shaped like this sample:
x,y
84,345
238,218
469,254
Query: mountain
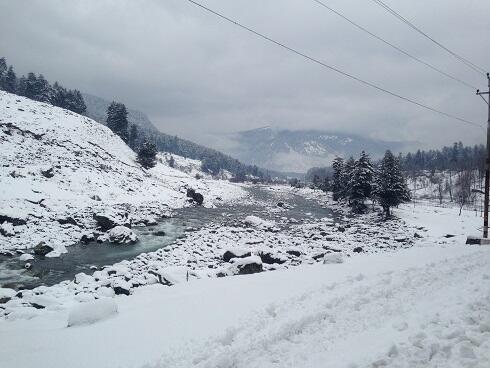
x,y
213,160
298,150
59,169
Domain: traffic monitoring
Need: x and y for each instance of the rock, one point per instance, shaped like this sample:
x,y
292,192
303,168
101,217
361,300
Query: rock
x,y
121,287
333,258
106,221
95,197
7,229
26,257
6,294
42,249
449,236
270,258
27,266
195,196
318,256
48,173
341,229
16,221
236,253
280,204
87,238
246,266
294,252
358,250
417,235
67,220
401,239
122,235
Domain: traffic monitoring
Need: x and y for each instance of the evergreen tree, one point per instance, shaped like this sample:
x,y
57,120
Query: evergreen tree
x,y
3,73
171,161
10,81
347,178
361,182
147,155
337,181
117,120
390,187
74,102
42,90
133,136
28,86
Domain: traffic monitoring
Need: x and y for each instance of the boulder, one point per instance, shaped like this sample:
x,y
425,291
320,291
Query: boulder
x,y
122,235
121,287
26,257
48,173
195,196
106,221
16,221
271,258
42,249
246,266
294,252
231,253
358,250
158,233
7,229
67,220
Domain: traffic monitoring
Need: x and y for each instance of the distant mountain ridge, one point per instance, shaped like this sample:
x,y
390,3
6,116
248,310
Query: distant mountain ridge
x,y
212,160
298,150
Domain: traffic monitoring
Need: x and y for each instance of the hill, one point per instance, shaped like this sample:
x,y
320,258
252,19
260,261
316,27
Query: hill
x,y
59,169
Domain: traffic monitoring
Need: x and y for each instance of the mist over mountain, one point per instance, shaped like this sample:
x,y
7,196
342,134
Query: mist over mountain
x,y
298,150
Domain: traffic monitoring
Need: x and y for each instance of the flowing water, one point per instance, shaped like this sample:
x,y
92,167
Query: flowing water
x,y
83,257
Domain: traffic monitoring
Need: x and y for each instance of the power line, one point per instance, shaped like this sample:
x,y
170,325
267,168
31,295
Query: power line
x,y
465,61
393,46
331,67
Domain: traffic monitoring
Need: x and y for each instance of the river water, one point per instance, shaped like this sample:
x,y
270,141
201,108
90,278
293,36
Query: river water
x,y
84,257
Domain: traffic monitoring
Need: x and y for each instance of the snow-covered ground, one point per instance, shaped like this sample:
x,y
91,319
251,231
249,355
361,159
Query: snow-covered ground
x,y
425,306
60,168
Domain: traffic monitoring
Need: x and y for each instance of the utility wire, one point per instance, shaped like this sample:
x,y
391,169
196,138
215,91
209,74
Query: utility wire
x,y
393,46
372,85
465,61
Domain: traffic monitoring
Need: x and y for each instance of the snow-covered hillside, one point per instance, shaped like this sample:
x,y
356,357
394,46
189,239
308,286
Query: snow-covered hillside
x,y
59,169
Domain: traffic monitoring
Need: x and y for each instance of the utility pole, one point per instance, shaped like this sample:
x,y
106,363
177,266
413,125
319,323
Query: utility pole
x,y
487,161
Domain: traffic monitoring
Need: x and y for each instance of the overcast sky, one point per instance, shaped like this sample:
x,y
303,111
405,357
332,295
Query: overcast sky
x,y
195,75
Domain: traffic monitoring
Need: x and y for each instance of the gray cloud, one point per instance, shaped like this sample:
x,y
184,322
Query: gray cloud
x,y
195,75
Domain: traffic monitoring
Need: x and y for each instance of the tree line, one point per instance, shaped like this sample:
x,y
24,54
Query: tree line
x,y
356,181
37,88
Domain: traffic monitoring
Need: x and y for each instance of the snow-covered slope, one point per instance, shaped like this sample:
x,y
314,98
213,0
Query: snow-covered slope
x,y
57,164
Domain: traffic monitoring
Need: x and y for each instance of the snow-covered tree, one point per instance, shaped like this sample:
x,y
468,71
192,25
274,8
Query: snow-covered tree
x,y
361,182
9,83
390,186
147,155
337,178
133,136
117,120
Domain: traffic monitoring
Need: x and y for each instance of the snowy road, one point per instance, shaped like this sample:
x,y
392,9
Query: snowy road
x,y
420,307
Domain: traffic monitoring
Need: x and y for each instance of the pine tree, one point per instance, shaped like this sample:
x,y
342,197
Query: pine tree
x,y
390,187
10,81
171,161
133,136
74,102
147,155
3,73
42,90
117,120
361,182
347,177
337,178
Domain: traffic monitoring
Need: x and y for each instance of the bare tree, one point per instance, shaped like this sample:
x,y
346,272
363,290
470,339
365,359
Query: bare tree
x,y
463,194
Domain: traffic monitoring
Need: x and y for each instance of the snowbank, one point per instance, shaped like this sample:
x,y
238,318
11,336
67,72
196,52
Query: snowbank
x,y
91,312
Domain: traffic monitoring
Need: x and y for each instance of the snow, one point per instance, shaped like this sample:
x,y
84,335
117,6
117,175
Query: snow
x,y
91,171
91,312
309,316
